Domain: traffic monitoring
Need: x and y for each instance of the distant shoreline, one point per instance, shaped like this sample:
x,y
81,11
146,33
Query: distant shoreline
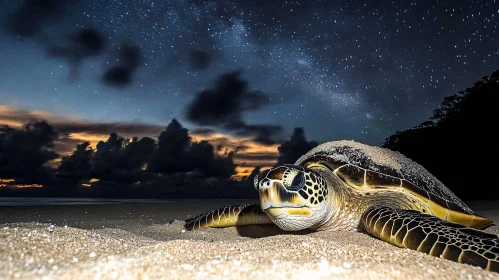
x,y
45,201
160,200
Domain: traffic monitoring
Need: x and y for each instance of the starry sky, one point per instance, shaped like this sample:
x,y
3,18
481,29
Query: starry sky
x,y
340,69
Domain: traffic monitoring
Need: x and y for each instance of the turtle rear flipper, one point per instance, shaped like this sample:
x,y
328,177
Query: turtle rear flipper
x,y
227,216
433,236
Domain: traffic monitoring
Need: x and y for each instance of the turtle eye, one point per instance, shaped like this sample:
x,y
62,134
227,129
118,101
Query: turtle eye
x,y
298,182
265,184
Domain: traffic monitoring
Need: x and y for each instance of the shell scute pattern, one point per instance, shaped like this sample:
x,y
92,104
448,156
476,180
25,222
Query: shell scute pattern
x,y
375,179
389,163
314,190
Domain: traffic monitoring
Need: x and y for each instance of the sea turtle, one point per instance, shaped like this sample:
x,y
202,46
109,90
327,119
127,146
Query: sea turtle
x,y
346,185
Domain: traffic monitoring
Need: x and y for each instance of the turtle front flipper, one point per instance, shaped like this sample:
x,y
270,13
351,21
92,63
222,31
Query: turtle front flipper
x,y
433,236
227,216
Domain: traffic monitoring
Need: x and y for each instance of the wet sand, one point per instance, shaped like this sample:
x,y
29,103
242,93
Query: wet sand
x,y
137,241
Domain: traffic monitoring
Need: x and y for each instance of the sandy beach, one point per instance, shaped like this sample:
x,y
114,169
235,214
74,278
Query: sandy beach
x,y
138,242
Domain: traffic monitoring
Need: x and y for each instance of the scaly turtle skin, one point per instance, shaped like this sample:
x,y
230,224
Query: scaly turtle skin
x,y
345,185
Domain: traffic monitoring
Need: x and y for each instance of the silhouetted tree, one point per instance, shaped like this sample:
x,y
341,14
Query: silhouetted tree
x,y
457,143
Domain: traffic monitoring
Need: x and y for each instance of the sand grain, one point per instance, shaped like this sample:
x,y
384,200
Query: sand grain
x,y
42,251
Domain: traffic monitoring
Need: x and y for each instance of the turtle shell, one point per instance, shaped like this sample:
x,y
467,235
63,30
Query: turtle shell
x,y
369,168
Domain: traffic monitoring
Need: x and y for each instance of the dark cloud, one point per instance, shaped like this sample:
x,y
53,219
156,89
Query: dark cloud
x,y
143,167
90,41
78,164
66,125
256,157
292,149
87,42
24,152
226,102
33,15
117,76
137,153
202,156
175,166
116,160
223,106
129,56
66,145
178,153
106,157
193,150
122,74
264,134
171,155
199,59
222,166
122,160
104,128
253,174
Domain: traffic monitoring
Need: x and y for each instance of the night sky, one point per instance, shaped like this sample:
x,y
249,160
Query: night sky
x,y
340,69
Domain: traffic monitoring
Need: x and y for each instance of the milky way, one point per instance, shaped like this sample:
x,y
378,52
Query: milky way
x,y
340,69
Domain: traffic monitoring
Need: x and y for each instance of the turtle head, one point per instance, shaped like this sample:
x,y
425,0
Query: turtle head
x,y
292,196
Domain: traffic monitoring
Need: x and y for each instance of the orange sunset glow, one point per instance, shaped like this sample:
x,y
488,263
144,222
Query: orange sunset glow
x,y
4,183
245,166
89,183
248,152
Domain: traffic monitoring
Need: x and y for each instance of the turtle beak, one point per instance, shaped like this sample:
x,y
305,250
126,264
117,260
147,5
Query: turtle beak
x,y
274,199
